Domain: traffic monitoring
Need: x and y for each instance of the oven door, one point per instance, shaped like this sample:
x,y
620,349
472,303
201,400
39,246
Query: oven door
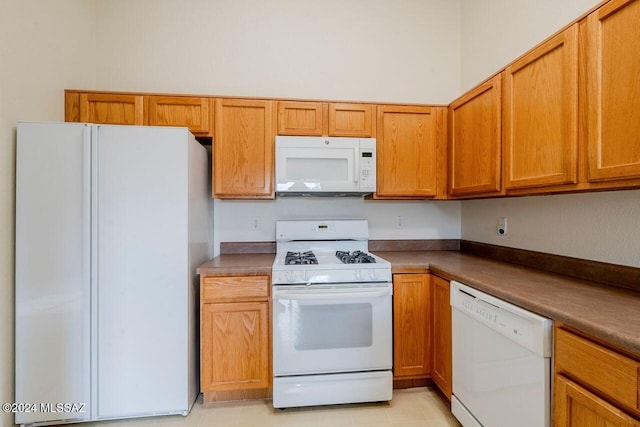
x,y
332,328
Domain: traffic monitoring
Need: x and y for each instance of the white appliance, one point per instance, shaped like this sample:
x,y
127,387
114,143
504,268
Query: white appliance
x,y
501,362
332,321
111,223
325,165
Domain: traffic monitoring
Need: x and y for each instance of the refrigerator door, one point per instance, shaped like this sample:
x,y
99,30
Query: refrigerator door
x,y
141,274
52,271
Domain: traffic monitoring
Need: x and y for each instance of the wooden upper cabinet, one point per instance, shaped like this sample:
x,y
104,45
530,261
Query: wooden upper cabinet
x,y
111,108
411,326
326,119
189,111
302,118
410,151
540,115
356,120
612,93
475,140
243,148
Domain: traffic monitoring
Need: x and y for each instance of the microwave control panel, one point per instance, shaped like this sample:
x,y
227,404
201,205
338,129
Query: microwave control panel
x,y
368,164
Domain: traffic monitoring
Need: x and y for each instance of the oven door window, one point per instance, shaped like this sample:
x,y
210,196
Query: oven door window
x,y
332,326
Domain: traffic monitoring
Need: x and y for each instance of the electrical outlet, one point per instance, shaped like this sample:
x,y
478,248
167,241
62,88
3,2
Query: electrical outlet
x,y
399,221
256,223
502,226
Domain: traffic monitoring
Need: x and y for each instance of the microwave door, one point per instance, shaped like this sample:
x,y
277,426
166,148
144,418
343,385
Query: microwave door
x,y
320,169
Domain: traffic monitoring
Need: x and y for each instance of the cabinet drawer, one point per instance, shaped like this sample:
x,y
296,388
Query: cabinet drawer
x,y
598,367
240,287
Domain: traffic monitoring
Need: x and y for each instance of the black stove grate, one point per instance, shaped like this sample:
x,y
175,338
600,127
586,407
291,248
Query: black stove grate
x,y
355,257
300,258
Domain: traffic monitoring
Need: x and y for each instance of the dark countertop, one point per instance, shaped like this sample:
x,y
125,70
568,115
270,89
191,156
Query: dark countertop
x,y
608,313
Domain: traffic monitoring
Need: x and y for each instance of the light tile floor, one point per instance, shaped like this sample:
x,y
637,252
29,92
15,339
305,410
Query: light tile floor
x,y
414,407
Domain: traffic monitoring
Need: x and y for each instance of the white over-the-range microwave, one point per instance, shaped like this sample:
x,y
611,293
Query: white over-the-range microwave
x,y
325,166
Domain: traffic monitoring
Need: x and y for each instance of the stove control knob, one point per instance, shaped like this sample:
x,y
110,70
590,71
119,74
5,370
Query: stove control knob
x,y
295,276
358,275
306,276
288,276
372,274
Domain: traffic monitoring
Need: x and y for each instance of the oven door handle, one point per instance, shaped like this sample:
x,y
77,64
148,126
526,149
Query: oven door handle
x,y
311,295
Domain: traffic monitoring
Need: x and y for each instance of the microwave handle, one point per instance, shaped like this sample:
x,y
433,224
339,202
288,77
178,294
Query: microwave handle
x,y
356,165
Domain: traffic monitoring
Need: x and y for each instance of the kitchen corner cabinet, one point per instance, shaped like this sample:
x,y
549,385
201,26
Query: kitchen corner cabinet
x,y
234,337
593,385
411,326
475,141
190,111
441,360
540,115
411,142
104,108
326,119
612,91
243,149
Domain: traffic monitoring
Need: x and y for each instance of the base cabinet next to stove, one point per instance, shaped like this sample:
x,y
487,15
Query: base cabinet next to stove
x,y
421,331
411,326
235,348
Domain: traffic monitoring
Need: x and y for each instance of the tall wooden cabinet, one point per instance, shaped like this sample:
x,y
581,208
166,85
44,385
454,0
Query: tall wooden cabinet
x,y
441,371
411,144
475,141
235,348
243,149
612,91
540,121
411,326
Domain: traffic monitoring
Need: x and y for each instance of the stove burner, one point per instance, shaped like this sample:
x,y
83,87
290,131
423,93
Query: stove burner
x,y
300,258
355,257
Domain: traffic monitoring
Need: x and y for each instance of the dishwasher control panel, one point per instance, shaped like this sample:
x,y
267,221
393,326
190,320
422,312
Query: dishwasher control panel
x,y
527,329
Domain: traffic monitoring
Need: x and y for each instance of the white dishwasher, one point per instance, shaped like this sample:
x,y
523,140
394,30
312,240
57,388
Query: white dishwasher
x,y
501,362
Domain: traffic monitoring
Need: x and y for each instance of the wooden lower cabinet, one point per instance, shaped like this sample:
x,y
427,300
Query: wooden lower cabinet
x,y
441,360
235,346
594,385
577,407
411,326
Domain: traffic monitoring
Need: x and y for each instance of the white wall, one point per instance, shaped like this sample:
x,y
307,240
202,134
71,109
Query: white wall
x,y
370,50
598,226
495,32
45,47
422,219
362,50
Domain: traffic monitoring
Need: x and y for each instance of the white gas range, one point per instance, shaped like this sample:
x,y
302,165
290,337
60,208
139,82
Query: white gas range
x,y
332,315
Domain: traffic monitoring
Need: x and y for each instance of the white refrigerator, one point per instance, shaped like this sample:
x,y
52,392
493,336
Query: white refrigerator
x,y
111,223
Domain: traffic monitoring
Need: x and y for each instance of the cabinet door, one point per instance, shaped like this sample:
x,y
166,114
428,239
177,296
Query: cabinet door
x,y
408,151
411,326
541,113
356,120
441,363
302,118
188,111
235,346
475,140
113,109
576,407
612,59
243,149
